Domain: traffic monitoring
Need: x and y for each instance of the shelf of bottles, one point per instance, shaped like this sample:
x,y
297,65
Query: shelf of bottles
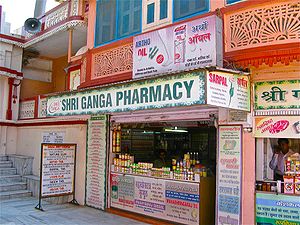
x,y
188,168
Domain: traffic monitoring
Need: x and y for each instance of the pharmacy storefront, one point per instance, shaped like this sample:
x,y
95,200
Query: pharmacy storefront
x,y
153,144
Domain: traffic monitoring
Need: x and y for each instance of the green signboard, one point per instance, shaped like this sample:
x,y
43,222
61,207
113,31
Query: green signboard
x,y
178,90
273,209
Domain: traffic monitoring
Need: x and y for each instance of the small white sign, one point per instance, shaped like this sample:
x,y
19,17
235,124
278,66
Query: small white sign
x,y
53,137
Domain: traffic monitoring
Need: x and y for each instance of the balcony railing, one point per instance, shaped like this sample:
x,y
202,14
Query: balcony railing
x,y
262,25
65,12
33,108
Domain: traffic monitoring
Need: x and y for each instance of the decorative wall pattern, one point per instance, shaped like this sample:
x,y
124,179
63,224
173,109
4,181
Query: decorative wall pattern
x,y
56,16
83,71
111,62
42,108
26,109
262,26
74,10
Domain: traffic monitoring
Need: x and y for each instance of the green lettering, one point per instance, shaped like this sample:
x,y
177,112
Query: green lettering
x,y
135,97
63,102
167,93
108,100
95,101
83,102
102,100
188,87
155,93
177,95
119,97
73,104
89,102
127,97
144,95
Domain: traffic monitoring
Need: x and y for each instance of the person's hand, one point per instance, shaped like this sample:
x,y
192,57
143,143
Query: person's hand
x,y
276,150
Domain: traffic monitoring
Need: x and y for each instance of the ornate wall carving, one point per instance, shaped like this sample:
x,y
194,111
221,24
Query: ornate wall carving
x,y
262,26
111,62
56,16
26,109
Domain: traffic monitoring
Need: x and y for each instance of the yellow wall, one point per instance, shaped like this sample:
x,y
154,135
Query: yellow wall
x,y
31,88
278,71
59,77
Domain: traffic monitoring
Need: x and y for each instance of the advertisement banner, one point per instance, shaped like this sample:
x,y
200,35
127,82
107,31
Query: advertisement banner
x,y
165,199
229,181
190,45
96,162
277,209
277,127
284,94
178,90
228,90
57,169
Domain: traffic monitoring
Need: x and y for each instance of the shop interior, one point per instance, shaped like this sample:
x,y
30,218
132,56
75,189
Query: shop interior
x,y
185,147
266,178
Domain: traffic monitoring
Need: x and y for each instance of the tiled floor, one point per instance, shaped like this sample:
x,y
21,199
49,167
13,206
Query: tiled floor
x,y
22,211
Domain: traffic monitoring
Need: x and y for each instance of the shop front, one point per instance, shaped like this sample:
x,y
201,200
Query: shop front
x,y
277,133
152,144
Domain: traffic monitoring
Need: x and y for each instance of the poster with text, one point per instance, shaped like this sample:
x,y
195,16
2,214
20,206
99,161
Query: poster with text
x,y
229,179
96,162
274,208
190,45
170,200
228,90
277,127
58,168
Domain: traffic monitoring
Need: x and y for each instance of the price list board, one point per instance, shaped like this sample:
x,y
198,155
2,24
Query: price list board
x,y
96,162
57,169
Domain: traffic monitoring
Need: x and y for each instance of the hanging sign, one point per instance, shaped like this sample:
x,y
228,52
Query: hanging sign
x,y
229,180
96,162
277,127
178,90
284,94
228,90
57,169
190,45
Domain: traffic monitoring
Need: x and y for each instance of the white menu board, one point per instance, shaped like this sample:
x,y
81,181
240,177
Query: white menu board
x,y
96,162
229,180
57,169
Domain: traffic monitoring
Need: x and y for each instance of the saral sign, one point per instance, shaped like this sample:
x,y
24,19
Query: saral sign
x,y
183,89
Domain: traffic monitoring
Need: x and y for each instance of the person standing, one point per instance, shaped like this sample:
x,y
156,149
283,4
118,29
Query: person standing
x,y
279,157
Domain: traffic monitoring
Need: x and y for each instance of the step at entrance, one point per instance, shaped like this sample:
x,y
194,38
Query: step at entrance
x,y
11,183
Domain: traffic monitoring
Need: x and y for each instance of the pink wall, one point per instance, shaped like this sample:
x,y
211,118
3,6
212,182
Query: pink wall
x,y
248,192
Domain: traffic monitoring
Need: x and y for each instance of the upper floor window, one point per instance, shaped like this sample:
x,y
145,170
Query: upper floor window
x,y
187,8
117,19
232,1
156,12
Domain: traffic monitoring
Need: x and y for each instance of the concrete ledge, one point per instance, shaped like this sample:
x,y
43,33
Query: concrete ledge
x,y
22,163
